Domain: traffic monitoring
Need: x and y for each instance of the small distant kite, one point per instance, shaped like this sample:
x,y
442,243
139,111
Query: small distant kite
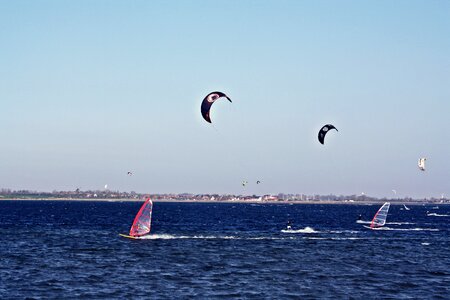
x,y
129,173
106,186
208,101
244,183
421,163
258,182
323,131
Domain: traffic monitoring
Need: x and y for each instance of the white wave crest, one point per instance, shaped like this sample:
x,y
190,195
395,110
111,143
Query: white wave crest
x,y
222,237
344,231
437,215
400,223
405,229
307,229
335,238
363,222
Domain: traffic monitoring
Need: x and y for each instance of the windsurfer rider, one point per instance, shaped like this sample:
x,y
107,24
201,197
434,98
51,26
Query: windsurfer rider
x,y
289,225
360,217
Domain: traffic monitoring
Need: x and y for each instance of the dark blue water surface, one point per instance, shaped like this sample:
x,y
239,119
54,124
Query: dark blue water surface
x,y
71,250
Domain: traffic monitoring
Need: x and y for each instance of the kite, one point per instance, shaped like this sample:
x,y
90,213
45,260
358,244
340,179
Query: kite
x,y
323,131
208,101
421,163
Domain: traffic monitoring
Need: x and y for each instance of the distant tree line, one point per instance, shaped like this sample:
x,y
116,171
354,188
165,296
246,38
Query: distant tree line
x,y
6,193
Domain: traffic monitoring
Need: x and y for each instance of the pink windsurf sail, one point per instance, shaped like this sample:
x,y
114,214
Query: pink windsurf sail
x,y
143,219
380,217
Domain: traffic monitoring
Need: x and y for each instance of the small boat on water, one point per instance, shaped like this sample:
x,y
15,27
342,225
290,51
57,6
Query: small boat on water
x,y
142,222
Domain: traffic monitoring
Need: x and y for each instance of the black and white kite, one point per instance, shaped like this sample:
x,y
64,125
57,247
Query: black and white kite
x,y
208,101
323,131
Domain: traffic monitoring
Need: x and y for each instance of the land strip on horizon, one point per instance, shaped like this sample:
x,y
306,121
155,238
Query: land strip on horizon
x,y
107,195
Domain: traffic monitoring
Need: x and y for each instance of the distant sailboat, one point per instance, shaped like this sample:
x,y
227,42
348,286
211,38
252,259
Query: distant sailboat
x,y
380,217
142,222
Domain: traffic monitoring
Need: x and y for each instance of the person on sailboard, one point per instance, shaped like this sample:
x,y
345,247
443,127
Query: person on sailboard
x,y
359,217
289,225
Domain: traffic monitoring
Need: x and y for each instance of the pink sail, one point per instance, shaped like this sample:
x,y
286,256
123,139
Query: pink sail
x,y
143,219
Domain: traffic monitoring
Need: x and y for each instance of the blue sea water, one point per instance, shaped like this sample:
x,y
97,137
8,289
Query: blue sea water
x,y
71,250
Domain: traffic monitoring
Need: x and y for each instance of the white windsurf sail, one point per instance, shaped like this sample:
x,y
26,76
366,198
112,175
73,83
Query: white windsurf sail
x,y
380,217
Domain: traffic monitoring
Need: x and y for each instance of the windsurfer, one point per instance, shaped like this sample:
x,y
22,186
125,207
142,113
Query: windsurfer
x,y
289,225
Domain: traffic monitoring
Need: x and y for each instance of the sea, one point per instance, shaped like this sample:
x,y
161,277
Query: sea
x,y
72,250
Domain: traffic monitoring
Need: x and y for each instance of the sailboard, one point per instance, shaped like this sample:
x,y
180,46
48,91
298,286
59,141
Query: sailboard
x,y
129,236
142,222
380,217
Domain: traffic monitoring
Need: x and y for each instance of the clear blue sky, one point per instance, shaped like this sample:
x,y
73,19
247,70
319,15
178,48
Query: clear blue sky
x,y
92,89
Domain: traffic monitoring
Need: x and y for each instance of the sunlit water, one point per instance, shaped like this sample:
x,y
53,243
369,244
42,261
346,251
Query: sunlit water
x,y
71,250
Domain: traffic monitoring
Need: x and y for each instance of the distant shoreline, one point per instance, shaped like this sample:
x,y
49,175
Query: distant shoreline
x,y
224,201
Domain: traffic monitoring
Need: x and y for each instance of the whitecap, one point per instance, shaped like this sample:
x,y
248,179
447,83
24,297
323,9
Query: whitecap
x,y
363,222
223,237
344,231
334,238
400,223
307,229
405,229
437,215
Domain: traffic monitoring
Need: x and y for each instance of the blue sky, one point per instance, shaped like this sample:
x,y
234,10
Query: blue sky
x,y
92,89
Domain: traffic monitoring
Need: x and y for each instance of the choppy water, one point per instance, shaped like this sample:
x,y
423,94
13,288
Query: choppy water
x,y
71,250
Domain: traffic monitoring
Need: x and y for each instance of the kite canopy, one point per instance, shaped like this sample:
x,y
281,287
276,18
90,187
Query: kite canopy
x,y
208,101
421,163
323,131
